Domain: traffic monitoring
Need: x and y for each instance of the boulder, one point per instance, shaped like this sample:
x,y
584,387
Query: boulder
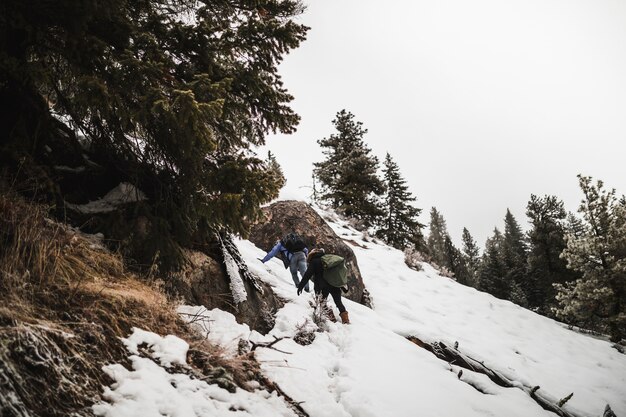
x,y
283,217
204,282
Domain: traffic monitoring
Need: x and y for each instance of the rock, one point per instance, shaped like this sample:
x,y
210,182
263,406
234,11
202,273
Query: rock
x,y
284,216
204,282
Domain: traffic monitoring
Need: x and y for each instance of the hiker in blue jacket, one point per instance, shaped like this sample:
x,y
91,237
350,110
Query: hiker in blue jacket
x,y
293,253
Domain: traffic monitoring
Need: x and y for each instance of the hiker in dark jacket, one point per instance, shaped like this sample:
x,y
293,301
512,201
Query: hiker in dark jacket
x,y
293,252
321,287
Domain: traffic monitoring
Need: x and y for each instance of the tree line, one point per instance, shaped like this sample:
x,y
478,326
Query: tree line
x,y
567,266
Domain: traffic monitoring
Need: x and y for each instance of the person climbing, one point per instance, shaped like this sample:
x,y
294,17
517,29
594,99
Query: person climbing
x,y
293,252
329,275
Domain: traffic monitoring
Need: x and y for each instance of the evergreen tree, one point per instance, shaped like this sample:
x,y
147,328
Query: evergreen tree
x,y
598,298
471,253
547,241
437,238
275,171
349,174
169,95
455,262
574,226
442,250
399,224
514,255
492,271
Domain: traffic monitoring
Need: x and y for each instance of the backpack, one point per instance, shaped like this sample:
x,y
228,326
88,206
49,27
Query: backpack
x,y
335,270
293,243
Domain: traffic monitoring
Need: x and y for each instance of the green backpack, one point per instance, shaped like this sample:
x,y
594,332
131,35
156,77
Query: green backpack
x,y
335,271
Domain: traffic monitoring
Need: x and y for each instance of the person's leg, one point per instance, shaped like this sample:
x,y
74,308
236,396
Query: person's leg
x,y
335,292
293,268
301,266
329,311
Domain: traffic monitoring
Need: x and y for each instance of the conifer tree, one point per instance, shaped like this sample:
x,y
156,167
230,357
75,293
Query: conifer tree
x,y
492,271
471,253
169,96
514,256
437,238
574,225
598,297
442,250
399,225
547,241
275,171
349,174
455,262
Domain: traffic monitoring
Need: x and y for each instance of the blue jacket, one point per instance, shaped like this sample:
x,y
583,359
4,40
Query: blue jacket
x,y
280,248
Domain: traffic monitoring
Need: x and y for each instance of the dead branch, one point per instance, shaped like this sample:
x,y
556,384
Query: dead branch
x,y
270,345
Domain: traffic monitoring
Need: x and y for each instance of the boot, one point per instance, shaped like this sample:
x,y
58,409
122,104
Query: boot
x,y
344,317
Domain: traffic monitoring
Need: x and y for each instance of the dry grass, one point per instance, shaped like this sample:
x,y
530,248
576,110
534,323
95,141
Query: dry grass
x,y
65,302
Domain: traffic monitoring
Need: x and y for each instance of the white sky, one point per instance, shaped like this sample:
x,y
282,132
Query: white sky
x,y
481,103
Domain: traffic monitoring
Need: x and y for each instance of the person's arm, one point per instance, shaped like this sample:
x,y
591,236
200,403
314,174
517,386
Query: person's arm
x,y
273,252
305,279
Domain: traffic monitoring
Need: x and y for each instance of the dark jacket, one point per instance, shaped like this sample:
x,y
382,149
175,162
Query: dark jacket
x,y
315,270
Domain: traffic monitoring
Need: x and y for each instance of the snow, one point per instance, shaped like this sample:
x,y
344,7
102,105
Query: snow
x,y
122,194
370,369
237,287
169,350
149,390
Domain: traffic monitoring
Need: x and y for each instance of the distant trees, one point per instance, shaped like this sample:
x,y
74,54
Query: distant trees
x,y
442,250
546,240
492,270
437,237
514,256
471,253
565,266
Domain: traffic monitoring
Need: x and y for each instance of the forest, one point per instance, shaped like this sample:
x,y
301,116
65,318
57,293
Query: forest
x,y
569,266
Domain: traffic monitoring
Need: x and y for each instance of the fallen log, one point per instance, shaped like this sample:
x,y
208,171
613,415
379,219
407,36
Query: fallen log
x,y
454,357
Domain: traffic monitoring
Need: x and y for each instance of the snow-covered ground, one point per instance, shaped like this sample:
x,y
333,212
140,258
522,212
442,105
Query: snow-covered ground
x,y
369,368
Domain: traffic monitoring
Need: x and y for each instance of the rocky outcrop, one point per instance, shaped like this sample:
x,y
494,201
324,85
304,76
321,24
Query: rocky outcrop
x,y
204,282
285,216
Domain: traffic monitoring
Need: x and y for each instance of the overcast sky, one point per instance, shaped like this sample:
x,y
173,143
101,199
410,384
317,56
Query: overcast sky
x,y
481,103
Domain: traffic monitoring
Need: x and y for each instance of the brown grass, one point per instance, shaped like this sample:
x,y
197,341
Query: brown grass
x,y
65,303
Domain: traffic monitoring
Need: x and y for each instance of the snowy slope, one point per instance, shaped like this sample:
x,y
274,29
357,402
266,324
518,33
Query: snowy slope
x,y
369,368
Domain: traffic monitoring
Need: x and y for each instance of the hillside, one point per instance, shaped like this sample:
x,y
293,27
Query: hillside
x,y
370,368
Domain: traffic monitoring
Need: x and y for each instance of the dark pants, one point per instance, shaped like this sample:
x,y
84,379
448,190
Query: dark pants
x,y
324,289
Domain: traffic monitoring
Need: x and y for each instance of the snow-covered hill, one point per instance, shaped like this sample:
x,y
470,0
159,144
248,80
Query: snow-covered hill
x,y
370,369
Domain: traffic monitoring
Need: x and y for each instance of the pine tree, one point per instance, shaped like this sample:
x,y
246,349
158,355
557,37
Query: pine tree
x,y
455,262
598,298
275,171
349,174
399,226
514,255
169,96
574,226
471,253
442,250
547,241
437,238
492,271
